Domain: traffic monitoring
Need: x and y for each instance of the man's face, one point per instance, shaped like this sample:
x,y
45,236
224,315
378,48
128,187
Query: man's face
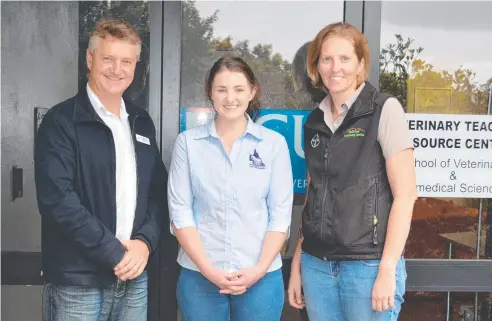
x,y
112,65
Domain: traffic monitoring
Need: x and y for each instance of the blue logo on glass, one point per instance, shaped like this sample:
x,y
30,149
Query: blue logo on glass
x,y
289,124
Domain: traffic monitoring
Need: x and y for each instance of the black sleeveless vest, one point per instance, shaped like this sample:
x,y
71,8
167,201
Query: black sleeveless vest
x,y
349,197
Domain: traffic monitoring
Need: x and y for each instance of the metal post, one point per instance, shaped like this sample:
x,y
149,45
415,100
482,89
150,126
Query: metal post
x,y
479,228
448,301
476,307
489,108
479,236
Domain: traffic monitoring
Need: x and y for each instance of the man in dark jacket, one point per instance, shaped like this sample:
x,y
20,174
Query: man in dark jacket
x,y
100,184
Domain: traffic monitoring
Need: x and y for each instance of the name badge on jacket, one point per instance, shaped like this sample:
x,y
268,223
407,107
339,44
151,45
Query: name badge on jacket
x,y
142,139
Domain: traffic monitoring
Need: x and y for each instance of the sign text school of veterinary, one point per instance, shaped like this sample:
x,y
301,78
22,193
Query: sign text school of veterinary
x,y
453,154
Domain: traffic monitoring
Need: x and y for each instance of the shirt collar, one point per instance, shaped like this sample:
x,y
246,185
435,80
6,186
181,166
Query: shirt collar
x,y
99,107
209,129
325,104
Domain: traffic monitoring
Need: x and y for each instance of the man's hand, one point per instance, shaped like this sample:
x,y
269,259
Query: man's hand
x,y
134,261
244,279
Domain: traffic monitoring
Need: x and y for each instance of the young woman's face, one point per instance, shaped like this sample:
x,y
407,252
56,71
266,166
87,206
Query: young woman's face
x,y
231,93
338,65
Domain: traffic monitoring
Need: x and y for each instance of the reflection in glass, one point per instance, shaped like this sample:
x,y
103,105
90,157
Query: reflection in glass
x,y
432,306
435,59
274,45
439,65
272,37
427,83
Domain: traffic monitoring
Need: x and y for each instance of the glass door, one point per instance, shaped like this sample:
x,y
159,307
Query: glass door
x,y
272,37
43,53
435,57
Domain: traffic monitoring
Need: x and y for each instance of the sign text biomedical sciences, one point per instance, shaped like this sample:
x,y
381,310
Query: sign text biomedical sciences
x,y
453,154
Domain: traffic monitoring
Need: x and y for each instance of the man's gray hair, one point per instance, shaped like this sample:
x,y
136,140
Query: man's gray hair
x,y
116,28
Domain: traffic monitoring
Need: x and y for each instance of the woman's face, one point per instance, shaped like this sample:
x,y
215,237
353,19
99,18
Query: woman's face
x,y
338,65
231,93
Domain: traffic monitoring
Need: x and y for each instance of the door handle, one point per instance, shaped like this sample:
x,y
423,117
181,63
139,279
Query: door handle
x,y
17,182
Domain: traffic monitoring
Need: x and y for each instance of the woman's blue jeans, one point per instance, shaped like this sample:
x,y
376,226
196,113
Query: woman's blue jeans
x,y
342,290
200,300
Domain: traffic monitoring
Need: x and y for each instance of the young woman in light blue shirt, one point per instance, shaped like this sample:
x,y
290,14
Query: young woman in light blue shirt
x,y
230,198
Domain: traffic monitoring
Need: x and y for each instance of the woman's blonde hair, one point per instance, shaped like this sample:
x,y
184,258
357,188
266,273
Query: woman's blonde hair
x,y
344,30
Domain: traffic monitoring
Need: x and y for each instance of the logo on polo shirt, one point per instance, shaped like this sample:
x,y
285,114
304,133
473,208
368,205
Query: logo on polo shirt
x,y
354,132
256,161
315,141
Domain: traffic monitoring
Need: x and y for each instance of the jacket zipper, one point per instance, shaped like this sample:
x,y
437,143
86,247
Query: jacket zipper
x,y
113,170
134,140
375,220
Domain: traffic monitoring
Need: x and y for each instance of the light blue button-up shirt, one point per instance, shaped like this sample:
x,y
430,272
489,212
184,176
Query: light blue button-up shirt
x,y
233,200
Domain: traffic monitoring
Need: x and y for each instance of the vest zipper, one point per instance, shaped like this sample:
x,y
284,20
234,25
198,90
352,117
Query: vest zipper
x,y
326,161
375,220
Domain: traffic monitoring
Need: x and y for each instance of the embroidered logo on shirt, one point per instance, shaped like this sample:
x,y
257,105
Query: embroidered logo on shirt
x,y
256,161
354,132
142,139
315,141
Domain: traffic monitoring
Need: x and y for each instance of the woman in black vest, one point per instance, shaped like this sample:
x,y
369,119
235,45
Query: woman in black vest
x,y
362,189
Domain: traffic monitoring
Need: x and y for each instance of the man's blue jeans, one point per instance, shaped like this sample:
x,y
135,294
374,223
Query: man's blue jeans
x,y
342,290
200,300
122,301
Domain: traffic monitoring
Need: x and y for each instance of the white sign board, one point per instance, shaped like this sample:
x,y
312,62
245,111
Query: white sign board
x,y
453,154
